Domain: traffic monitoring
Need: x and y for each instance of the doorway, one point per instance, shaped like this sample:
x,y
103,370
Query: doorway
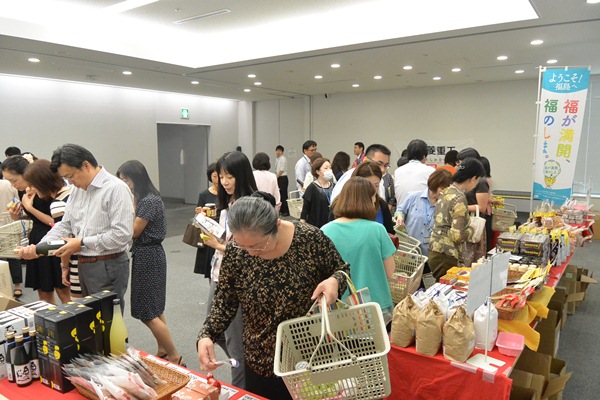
x,y
182,160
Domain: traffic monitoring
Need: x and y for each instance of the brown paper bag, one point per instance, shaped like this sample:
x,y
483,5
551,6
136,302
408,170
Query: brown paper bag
x,y
428,332
459,336
403,322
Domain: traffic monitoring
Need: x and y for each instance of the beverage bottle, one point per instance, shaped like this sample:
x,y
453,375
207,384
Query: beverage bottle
x,y
118,330
48,248
9,346
33,355
26,343
21,364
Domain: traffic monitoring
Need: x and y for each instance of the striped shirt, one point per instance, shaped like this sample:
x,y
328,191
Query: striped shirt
x,y
102,215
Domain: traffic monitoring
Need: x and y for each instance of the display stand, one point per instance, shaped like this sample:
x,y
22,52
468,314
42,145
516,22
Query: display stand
x,y
488,278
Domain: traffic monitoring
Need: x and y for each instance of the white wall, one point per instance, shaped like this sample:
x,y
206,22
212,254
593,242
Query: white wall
x,y
115,124
498,117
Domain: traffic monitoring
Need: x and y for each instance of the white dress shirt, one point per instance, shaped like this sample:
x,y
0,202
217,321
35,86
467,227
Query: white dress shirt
x,y
411,177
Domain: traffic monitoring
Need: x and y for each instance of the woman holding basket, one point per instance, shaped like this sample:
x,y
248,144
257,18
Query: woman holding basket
x,y
268,257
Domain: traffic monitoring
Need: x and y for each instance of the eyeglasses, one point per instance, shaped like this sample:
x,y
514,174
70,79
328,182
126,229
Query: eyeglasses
x,y
252,248
380,163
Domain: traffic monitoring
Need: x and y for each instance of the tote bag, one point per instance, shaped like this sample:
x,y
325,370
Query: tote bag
x,y
191,236
478,225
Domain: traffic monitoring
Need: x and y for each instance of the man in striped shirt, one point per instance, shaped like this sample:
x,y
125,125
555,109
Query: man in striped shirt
x,y
98,222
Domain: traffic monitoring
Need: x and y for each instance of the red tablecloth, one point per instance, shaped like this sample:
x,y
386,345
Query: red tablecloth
x,y
37,391
418,377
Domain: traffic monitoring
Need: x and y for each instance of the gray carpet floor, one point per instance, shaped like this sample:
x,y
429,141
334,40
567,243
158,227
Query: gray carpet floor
x,y
187,294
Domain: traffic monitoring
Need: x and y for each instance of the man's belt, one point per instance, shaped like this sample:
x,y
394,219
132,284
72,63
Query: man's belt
x,y
93,259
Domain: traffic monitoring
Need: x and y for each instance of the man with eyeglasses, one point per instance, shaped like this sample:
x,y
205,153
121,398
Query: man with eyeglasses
x,y
377,153
303,165
413,176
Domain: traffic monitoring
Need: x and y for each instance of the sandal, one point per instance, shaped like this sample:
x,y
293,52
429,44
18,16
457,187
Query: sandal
x,y
163,356
180,362
17,293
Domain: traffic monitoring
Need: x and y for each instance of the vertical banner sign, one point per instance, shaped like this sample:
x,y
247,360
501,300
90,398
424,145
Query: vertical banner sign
x,y
562,105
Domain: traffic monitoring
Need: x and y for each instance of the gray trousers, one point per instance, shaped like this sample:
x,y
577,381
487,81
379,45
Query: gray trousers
x,y
233,341
106,275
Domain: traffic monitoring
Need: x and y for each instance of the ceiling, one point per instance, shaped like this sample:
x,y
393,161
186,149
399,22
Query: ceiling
x,y
285,43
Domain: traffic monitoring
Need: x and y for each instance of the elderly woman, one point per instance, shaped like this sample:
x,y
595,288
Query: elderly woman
x,y
274,270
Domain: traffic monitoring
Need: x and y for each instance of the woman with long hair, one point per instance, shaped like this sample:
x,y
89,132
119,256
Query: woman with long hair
x,y
362,242
340,164
149,262
209,196
43,274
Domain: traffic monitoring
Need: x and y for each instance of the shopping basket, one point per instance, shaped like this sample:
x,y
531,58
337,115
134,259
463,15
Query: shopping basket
x,y
407,275
503,217
5,218
11,236
339,354
406,242
295,203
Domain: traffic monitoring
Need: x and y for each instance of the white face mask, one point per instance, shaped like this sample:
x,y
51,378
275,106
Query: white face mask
x,y
328,174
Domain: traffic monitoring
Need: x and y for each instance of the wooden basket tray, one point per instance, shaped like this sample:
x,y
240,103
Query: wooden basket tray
x,y
175,381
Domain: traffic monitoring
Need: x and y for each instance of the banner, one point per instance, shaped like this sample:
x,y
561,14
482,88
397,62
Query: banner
x,y
561,112
437,148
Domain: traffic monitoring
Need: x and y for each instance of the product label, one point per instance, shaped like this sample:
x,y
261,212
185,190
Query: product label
x,y
35,368
22,374
9,372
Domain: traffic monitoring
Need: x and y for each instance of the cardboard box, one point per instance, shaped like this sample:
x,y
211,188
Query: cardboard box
x,y
553,370
10,322
521,393
7,302
549,329
5,279
528,380
560,297
575,280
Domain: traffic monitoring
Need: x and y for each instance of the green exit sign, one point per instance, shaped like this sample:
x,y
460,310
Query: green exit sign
x,y
185,113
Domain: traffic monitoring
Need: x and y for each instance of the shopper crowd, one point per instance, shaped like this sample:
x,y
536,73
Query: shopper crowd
x,y
267,267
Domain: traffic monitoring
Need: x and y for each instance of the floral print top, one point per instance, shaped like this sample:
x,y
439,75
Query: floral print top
x,y
271,291
451,223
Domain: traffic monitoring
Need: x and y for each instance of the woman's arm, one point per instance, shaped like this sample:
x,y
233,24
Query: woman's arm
x,y
139,224
306,205
460,231
27,202
390,266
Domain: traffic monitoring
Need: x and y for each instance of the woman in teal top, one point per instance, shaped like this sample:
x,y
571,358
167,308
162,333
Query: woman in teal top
x,y
362,242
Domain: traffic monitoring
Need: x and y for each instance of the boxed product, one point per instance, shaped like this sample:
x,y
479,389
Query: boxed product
x,y
209,225
60,345
197,390
97,325
106,298
43,346
84,317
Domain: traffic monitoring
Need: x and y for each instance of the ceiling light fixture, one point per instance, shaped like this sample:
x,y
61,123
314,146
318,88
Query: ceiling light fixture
x,y
195,82
247,90
536,42
257,83
33,60
355,85
318,76
593,1
520,71
502,58
407,67
335,65
127,72
553,61
251,75
456,69
126,6
205,15
437,78
377,77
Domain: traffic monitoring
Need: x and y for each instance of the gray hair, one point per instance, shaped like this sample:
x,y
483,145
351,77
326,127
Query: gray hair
x,y
252,214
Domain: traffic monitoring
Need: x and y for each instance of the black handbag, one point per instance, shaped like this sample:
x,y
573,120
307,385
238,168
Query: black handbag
x,y
191,236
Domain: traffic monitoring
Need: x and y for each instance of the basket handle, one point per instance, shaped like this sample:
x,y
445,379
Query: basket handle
x,y
326,328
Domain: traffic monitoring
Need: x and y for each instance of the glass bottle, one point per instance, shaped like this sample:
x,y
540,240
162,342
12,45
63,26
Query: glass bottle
x,y
21,364
48,248
9,346
33,355
118,330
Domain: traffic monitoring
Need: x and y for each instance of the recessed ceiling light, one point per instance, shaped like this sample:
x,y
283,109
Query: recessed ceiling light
x,y
335,65
251,75
355,85
257,83
536,42
407,67
205,15
195,82
437,78
456,69
126,72
33,60
593,1
377,77
554,61
519,71
318,76
502,58
247,90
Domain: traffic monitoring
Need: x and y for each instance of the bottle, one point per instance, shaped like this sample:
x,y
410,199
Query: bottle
x,y
118,330
211,211
10,345
21,363
33,355
48,248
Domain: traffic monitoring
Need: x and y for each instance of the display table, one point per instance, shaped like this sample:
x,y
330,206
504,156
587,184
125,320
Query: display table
x,y
415,376
37,391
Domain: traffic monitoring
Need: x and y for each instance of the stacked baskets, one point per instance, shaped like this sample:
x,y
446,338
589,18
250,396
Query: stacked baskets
x,y
503,217
11,236
295,203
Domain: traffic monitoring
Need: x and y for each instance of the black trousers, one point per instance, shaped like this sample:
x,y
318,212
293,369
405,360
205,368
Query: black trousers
x,y
16,270
283,182
271,388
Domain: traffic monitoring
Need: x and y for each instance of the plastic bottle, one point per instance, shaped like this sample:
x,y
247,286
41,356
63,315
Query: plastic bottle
x,y
21,364
118,330
10,344
33,355
49,248
480,319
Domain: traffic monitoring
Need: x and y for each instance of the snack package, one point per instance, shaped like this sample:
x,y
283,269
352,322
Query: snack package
x,y
459,336
428,331
404,322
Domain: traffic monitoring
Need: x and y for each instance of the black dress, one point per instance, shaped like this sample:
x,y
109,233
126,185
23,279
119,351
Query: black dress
x,y
43,273
315,208
204,254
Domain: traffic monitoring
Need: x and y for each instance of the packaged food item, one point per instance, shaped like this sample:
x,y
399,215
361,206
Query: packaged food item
x,y
459,336
404,322
428,331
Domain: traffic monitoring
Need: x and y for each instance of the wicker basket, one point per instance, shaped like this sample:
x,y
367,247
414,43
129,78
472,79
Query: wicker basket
x,y
11,236
508,313
407,275
175,381
503,218
295,202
